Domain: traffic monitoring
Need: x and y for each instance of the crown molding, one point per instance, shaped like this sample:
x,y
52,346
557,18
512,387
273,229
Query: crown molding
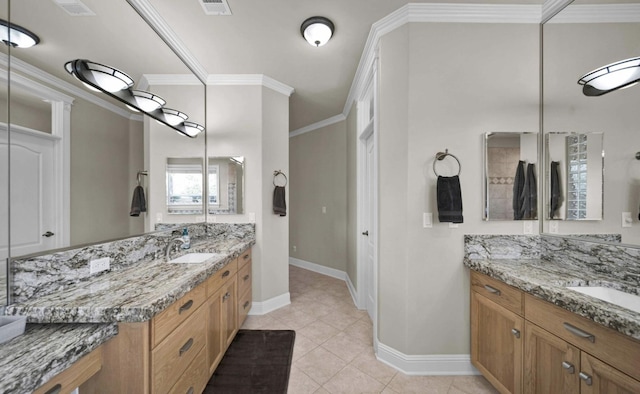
x,y
249,79
161,27
598,13
318,125
39,75
167,79
551,7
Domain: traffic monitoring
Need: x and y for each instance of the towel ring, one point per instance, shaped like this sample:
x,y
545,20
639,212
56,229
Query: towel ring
x,y
145,173
440,156
275,176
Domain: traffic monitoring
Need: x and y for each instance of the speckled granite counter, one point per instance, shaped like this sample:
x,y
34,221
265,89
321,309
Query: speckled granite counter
x,y
548,280
30,360
133,294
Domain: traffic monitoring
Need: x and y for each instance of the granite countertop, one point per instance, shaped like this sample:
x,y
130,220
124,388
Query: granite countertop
x,y
548,281
44,350
133,294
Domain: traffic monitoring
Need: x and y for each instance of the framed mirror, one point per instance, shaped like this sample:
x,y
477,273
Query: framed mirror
x,y
225,194
585,36
510,176
97,146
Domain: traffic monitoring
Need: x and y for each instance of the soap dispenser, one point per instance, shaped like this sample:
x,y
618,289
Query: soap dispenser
x,y
185,238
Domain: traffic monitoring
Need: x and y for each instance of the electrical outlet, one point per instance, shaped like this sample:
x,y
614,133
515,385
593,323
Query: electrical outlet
x,y
295,248
324,209
427,220
626,219
99,265
453,225
528,227
553,227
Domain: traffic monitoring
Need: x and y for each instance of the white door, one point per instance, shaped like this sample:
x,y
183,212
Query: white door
x,y
32,197
369,230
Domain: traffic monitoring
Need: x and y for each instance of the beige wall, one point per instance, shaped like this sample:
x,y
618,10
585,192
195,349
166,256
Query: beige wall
x,y
442,94
102,145
319,179
252,121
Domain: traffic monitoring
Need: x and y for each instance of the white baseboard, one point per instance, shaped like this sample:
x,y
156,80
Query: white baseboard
x,y
270,305
437,364
321,269
353,292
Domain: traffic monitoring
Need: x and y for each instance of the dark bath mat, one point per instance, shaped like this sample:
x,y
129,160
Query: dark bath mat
x,y
257,361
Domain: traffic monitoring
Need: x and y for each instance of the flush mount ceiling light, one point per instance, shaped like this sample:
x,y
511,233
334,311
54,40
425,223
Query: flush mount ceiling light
x,y
106,77
17,36
618,75
173,116
193,129
146,101
317,30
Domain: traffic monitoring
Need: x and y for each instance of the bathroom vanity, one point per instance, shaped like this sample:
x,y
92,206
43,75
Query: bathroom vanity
x,y
531,334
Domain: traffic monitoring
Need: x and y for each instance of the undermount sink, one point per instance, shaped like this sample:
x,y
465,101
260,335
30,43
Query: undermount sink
x,y
193,258
617,297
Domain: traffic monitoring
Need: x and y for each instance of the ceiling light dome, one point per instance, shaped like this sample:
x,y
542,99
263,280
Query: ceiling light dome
x,y
614,76
106,77
173,116
317,30
17,36
146,101
193,129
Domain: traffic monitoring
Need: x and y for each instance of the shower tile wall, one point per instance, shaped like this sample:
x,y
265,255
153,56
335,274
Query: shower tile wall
x,y
501,168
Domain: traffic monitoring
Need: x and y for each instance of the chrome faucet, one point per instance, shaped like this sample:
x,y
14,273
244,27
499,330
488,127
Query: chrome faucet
x,y
167,251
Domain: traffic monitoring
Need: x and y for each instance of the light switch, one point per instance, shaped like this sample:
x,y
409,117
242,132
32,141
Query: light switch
x,y
626,219
324,209
159,217
553,227
252,217
427,219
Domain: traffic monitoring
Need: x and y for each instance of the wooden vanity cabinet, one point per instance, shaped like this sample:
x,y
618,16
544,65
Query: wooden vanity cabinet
x,y
244,286
496,333
74,376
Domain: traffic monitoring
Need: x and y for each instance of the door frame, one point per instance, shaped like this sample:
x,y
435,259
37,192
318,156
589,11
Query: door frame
x,y
61,133
367,101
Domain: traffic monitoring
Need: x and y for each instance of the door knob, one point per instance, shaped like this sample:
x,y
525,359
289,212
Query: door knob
x,y
366,233
48,234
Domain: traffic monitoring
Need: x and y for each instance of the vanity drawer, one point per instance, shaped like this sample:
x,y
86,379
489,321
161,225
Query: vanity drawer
x,y
612,347
220,277
176,313
195,378
244,306
244,278
244,258
172,357
72,377
498,292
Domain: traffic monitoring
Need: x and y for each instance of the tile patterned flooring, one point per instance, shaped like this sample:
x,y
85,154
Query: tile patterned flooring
x,y
333,350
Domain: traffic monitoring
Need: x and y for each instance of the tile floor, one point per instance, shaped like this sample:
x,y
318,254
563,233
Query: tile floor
x,y
333,350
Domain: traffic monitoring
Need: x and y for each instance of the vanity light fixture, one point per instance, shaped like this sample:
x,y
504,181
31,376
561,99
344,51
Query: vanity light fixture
x,y
106,77
173,116
17,36
193,129
614,76
317,30
146,101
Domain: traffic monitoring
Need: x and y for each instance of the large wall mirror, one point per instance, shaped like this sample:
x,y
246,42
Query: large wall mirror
x,y
585,36
74,154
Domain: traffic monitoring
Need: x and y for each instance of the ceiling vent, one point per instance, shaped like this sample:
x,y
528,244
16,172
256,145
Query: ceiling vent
x,y
74,7
215,7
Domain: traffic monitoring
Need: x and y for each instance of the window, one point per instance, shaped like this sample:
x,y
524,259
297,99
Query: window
x,y
184,186
577,179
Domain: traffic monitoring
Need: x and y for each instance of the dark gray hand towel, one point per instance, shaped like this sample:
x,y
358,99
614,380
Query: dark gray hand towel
x,y
138,202
518,187
279,203
530,194
449,198
556,191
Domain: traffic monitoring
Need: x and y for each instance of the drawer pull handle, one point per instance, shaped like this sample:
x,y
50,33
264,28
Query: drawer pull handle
x,y
226,273
492,290
569,367
187,305
190,391
185,348
246,304
515,333
578,332
55,389
226,297
246,256
246,277
586,378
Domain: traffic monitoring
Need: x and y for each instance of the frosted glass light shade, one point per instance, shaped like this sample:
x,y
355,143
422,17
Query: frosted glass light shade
x,y
146,101
173,116
611,77
193,129
17,36
108,78
317,30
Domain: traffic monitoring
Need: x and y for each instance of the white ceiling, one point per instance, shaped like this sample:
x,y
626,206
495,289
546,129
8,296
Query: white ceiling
x,y
261,37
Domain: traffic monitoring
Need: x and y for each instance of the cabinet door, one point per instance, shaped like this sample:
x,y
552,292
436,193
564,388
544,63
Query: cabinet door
x,y
600,378
230,311
496,346
551,365
215,328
